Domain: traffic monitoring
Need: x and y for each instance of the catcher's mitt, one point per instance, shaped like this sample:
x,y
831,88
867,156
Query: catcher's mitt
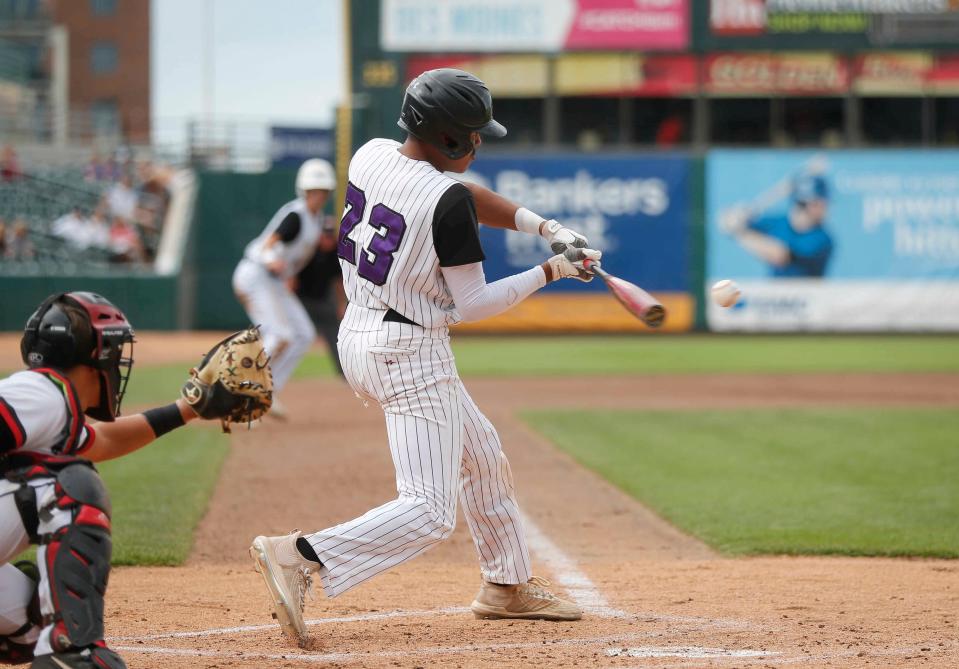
x,y
233,382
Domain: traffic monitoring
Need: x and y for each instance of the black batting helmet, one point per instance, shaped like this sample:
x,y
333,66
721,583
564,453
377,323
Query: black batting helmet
x,y
443,107
98,335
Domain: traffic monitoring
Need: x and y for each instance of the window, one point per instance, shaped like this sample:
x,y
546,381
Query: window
x,y
740,121
103,7
105,118
813,121
589,123
11,10
664,122
892,120
947,121
523,118
104,58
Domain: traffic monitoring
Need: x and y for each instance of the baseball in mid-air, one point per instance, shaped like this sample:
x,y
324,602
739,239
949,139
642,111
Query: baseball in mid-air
x,y
726,293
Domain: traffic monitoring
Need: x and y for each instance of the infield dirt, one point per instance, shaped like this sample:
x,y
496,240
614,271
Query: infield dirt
x,y
669,600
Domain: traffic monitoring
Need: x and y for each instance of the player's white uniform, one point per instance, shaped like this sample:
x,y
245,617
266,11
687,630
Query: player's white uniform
x,y
442,445
287,329
39,416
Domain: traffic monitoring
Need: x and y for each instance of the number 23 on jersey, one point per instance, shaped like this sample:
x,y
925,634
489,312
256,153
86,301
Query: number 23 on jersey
x,y
376,259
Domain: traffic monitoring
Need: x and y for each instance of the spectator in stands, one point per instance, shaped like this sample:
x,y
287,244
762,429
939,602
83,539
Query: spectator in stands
x,y
98,230
9,166
19,246
125,244
71,228
122,199
3,238
94,170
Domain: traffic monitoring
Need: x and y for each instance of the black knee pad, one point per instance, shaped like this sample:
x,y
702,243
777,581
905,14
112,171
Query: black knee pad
x,y
81,483
95,657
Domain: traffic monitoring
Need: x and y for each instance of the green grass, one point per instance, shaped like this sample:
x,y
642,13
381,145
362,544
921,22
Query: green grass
x,y
850,482
690,354
160,493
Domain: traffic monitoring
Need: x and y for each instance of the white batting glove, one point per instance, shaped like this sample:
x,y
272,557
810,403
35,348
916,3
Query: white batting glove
x,y
569,264
560,239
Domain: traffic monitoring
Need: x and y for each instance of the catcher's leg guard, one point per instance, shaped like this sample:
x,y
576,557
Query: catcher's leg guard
x,y
76,558
94,657
15,648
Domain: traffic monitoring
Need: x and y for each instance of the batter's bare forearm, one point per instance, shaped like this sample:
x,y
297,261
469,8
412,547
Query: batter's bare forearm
x,y
493,209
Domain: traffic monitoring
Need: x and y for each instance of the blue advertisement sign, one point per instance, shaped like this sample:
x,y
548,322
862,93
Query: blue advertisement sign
x,y
634,209
290,146
834,240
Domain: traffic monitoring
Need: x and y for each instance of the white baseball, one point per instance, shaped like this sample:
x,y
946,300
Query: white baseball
x,y
725,293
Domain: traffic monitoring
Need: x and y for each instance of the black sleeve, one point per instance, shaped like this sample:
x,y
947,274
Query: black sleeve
x,y
455,228
289,227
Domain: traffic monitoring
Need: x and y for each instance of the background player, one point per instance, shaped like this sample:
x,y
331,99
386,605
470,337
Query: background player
x,y
412,265
319,285
78,347
277,255
795,244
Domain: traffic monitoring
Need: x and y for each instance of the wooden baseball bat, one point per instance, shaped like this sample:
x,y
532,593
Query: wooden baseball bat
x,y
634,299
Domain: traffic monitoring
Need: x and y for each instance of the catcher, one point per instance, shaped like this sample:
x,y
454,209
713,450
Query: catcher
x,y
78,348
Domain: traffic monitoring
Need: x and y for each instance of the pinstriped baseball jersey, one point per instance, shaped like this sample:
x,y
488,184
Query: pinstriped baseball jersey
x,y
404,221
401,216
299,231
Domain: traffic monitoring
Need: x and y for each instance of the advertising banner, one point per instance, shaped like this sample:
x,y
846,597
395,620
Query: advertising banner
x,y
843,240
770,73
835,24
634,209
458,26
290,146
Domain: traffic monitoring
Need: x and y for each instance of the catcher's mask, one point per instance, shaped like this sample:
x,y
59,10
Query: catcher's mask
x,y
445,107
82,328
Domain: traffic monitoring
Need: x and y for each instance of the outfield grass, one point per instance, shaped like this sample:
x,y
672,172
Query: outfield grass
x,y
850,482
689,354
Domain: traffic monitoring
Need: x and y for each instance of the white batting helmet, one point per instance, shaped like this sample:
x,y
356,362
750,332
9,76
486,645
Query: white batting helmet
x,y
315,174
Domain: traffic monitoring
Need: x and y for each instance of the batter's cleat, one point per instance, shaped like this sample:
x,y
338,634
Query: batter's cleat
x,y
530,600
287,578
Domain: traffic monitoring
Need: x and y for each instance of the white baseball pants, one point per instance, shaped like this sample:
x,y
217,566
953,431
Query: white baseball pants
x,y
15,588
443,447
287,329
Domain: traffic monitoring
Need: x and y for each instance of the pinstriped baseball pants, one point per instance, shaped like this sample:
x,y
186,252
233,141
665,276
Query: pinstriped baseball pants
x,y
443,449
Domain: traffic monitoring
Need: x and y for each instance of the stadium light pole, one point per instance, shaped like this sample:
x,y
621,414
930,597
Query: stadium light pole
x,y
209,72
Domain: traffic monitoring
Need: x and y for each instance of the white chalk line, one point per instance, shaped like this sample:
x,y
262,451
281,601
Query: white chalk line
x,y
690,652
217,631
567,574
680,651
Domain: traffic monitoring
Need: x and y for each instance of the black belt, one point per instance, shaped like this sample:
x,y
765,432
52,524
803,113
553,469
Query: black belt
x,y
396,317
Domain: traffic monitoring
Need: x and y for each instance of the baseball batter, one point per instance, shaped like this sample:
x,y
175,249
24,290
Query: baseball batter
x,y
260,280
412,266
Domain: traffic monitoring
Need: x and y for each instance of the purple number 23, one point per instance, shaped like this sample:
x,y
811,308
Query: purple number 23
x,y
390,228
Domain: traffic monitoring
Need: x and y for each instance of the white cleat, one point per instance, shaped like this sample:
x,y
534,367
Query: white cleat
x,y
288,585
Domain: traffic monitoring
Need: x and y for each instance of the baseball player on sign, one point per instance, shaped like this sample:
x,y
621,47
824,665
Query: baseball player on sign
x,y
412,266
277,255
79,351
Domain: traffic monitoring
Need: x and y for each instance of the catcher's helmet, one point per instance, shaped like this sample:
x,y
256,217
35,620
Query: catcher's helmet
x,y
444,107
97,336
315,174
